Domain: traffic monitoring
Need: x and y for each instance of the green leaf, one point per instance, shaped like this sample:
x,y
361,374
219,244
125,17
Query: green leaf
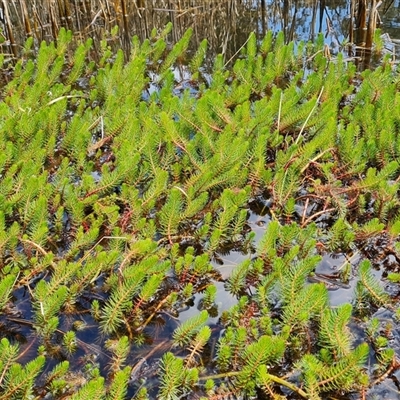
x,y
6,288
334,333
184,333
371,285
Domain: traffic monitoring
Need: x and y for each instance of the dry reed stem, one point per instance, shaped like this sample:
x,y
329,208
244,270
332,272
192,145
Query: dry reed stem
x,y
53,19
125,18
9,29
351,26
43,19
24,9
372,22
16,13
68,15
361,22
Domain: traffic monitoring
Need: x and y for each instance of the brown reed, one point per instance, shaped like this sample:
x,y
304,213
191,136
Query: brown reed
x,y
226,23
9,29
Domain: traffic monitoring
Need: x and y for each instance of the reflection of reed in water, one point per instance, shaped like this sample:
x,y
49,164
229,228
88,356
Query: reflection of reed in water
x,y
225,23
366,17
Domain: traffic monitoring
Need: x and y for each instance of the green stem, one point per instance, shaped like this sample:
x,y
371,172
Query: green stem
x,y
289,385
273,378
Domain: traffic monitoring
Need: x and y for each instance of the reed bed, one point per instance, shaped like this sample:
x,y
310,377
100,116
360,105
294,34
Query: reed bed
x,y
225,23
44,19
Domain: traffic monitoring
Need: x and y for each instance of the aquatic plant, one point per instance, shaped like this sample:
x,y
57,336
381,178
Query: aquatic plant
x,y
124,180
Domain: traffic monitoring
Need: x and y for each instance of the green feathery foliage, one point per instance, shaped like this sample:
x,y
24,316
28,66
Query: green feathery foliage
x,y
334,332
197,344
176,380
264,351
125,182
94,389
342,374
307,303
47,304
120,301
120,351
17,381
170,214
9,354
56,379
209,297
184,333
371,286
6,287
119,386
237,280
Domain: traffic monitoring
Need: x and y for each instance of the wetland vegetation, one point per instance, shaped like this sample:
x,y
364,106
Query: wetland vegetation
x,y
226,24
125,181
